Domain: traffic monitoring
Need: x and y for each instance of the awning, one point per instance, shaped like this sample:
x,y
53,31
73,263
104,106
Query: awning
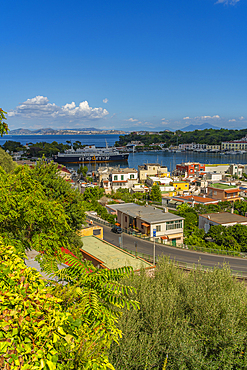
x,y
144,224
163,237
175,236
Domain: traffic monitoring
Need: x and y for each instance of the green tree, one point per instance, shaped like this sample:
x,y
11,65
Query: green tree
x,y
12,146
197,319
59,190
93,193
6,161
82,170
28,218
156,193
3,125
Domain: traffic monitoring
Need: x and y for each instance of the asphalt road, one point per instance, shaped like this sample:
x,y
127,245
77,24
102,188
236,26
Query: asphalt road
x,y
180,255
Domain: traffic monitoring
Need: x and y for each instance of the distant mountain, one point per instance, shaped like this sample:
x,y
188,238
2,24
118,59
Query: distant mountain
x,y
203,126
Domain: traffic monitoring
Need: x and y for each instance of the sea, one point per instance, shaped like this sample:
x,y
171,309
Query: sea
x,y
162,157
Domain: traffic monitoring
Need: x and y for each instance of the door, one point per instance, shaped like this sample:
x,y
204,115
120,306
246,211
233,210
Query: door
x,y
174,242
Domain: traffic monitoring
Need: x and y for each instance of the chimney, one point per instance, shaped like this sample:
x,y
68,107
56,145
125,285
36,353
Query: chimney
x,y
208,217
232,210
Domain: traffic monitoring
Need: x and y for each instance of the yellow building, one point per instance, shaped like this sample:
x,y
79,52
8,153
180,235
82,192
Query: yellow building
x,y
234,145
151,169
181,186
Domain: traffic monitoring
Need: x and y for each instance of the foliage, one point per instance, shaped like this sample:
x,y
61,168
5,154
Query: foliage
x,y
93,193
82,170
6,161
3,125
46,149
155,193
240,207
13,146
127,197
36,331
198,320
190,218
101,210
57,189
207,136
28,218
213,208
231,237
93,296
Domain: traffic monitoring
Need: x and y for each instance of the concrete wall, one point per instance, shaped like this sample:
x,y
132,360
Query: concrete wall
x,y
91,231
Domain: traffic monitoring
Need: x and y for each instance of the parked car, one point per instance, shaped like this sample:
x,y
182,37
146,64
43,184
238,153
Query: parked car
x,y
116,229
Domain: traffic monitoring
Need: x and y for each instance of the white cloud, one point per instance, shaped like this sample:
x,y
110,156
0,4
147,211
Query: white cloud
x,y
186,118
241,118
163,119
207,117
39,107
105,100
232,120
131,120
227,2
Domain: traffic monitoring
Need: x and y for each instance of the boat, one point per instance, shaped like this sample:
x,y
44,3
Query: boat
x,y
91,154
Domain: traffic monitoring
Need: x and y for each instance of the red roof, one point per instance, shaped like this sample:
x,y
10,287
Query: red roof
x,y
197,199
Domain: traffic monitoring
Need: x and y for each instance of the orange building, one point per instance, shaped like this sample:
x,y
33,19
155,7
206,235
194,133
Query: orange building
x,y
223,192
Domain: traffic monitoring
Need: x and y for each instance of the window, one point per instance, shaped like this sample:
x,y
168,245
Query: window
x,y
122,177
131,176
115,177
158,228
215,192
125,218
170,225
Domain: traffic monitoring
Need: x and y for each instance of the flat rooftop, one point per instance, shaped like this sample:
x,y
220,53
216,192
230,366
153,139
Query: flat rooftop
x,y
223,186
111,256
225,217
146,213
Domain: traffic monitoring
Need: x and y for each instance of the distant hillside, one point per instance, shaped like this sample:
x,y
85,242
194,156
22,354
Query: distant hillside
x,y
200,127
67,131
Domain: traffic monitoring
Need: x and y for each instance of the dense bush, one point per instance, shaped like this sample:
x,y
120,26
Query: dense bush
x,y
198,320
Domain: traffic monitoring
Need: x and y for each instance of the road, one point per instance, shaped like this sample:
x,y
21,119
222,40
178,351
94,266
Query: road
x,y
180,255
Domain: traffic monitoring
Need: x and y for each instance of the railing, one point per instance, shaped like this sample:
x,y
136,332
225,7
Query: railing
x,y
129,231
184,265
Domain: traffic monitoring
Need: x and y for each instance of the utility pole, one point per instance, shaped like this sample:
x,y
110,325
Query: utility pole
x,y
154,235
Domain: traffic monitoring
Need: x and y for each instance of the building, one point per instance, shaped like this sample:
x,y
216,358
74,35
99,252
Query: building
x,y
181,186
151,169
213,176
213,148
189,168
236,170
149,220
106,255
139,188
235,145
189,199
217,168
223,218
157,180
223,192
123,178
64,172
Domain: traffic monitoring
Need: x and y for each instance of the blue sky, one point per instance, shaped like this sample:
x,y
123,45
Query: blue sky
x,y
134,65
